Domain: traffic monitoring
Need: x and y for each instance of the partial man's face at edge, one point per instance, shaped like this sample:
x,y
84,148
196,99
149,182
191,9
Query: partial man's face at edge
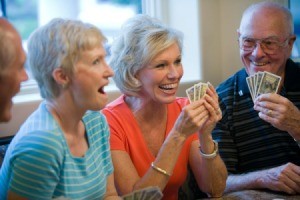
x,y
13,74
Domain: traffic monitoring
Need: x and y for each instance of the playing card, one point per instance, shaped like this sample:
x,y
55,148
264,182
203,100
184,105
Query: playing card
x,y
262,82
154,194
190,92
197,89
129,196
252,78
138,194
248,80
203,89
269,83
259,76
254,83
148,193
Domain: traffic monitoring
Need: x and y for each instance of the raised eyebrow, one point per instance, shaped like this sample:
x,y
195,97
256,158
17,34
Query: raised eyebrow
x,y
179,56
267,38
158,62
271,38
246,37
102,56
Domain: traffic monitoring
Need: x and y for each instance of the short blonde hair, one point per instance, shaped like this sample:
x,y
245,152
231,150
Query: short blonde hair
x,y
141,39
59,44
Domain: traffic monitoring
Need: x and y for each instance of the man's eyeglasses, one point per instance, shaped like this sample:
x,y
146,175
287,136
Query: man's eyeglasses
x,y
269,45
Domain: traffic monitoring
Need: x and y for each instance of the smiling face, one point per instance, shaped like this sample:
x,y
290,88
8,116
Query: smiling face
x,y
13,74
90,77
161,77
266,23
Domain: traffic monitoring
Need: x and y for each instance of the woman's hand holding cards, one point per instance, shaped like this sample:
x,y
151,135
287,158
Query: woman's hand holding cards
x,y
210,113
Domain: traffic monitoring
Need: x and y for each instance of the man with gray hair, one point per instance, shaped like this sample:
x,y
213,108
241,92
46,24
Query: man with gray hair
x,y
12,71
259,140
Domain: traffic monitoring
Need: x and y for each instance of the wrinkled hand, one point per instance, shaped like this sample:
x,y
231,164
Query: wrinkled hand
x,y
285,178
280,112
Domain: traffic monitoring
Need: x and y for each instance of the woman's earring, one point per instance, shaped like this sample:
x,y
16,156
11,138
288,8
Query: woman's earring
x,y
64,85
136,82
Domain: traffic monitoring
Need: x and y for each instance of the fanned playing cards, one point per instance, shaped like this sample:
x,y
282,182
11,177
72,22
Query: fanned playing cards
x,y
197,91
262,83
148,193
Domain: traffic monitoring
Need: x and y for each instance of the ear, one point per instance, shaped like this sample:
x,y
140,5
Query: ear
x,y
292,40
136,80
60,77
238,32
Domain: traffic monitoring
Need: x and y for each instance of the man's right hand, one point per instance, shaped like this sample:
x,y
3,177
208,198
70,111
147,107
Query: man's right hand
x,y
285,178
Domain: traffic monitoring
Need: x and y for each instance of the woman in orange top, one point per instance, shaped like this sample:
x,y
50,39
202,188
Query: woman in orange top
x,y
154,134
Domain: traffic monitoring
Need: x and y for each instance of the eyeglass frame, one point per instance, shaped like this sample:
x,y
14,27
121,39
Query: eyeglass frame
x,y
263,45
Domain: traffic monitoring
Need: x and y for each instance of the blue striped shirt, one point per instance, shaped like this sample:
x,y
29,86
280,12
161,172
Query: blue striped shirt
x,y
246,142
38,163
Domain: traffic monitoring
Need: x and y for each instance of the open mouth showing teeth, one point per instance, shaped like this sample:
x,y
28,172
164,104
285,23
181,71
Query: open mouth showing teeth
x,y
259,64
168,87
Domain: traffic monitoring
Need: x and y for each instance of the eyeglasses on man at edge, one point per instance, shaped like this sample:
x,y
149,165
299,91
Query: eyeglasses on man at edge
x,y
269,45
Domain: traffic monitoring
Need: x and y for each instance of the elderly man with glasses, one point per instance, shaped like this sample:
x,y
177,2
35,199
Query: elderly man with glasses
x,y
259,138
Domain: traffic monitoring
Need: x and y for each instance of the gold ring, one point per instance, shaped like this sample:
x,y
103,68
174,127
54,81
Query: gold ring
x,y
269,112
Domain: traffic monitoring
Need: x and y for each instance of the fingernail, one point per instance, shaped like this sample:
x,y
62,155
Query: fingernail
x,y
209,83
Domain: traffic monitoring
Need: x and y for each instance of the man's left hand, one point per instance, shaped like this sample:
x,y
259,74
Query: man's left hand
x,y
280,112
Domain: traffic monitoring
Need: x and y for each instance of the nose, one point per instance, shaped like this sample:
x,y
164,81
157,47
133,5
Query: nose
x,y
174,71
258,50
109,71
24,75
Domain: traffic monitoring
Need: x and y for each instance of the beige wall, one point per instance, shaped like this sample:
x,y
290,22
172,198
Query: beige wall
x,y
218,52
